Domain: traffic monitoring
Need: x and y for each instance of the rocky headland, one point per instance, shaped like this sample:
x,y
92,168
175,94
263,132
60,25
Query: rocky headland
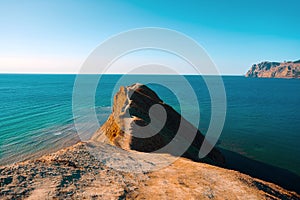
x,y
275,70
126,126
117,164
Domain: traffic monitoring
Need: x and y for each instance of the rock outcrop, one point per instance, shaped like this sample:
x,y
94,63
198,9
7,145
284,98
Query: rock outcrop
x,y
275,70
131,112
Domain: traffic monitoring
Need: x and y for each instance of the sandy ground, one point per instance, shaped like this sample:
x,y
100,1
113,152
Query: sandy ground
x,y
76,173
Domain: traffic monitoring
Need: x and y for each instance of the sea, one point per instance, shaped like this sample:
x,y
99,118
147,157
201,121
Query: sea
x,y
262,119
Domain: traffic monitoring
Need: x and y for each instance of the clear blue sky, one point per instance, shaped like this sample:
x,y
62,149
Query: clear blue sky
x,y
56,36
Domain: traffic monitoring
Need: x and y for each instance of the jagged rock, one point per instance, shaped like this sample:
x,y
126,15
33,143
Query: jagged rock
x,y
275,70
131,113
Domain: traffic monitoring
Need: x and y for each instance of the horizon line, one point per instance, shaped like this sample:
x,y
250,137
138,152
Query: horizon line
x,y
185,74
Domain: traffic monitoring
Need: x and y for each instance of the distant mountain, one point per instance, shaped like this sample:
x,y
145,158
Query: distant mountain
x,y
275,70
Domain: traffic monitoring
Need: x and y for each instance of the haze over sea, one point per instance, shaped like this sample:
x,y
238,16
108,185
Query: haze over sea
x,y
262,119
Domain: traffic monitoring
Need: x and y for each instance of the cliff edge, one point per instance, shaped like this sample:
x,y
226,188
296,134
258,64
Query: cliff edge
x,y
275,70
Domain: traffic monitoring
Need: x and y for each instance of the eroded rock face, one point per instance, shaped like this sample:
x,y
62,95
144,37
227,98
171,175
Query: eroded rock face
x,y
125,126
275,70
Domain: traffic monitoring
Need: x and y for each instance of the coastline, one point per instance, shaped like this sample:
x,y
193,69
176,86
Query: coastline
x,y
244,96
67,142
237,162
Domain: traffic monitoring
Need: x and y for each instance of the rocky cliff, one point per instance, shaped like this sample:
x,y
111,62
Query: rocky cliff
x,y
275,70
131,111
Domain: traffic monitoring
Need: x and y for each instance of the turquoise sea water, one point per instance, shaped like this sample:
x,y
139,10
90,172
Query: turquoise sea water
x,y
262,119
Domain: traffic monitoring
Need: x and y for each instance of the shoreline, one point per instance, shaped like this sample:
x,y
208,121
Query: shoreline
x,y
68,142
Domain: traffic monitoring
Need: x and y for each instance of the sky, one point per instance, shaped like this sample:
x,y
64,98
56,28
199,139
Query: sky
x,y
57,36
